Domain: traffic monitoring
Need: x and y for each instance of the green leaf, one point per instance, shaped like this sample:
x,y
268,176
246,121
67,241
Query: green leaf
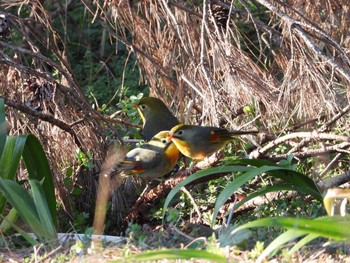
x,y
28,147
9,161
302,243
25,235
265,190
198,175
38,168
43,210
174,254
11,156
3,129
300,181
237,183
20,199
279,241
8,221
328,226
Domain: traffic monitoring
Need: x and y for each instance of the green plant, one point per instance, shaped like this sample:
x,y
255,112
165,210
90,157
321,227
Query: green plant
x,y
310,229
286,179
173,254
37,208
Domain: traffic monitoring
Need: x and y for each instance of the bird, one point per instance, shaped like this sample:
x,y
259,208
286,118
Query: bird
x,y
152,160
155,116
198,142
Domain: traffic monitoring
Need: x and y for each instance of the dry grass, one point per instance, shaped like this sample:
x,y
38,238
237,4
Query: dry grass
x,y
198,52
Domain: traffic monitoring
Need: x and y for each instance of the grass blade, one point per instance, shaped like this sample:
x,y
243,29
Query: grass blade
x,y
11,156
9,162
328,227
20,199
43,210
302,242
286,237
39,169
174,254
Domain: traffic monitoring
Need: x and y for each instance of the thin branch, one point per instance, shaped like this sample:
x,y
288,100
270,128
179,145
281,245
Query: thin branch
x,y
44,117
340,114
312,45
338,148
297,135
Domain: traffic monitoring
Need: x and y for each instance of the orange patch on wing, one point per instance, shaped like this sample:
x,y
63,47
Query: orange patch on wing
x,y
138,168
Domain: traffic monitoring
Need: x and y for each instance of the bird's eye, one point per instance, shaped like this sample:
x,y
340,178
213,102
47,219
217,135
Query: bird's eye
x,y
164,141
180,132
143,106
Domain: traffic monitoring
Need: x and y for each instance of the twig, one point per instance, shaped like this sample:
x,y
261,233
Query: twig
x,y
331,164
176,24
338,148
192,86
340,114
183,189
44,117
297,135
312,45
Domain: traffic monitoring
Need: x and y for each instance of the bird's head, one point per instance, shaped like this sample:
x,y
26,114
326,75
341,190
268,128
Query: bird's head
x,y
148,107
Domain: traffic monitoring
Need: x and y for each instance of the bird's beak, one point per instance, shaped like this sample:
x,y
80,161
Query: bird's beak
x,y
170,136
135,106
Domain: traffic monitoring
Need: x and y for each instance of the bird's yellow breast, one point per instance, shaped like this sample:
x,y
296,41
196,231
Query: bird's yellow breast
x,y
172,154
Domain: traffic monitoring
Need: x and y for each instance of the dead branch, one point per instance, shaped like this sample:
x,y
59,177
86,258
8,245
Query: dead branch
x,y
297,25
299,135
338,148
44,117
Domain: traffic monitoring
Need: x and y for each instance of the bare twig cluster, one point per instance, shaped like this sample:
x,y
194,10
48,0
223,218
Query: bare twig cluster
x,y
285,60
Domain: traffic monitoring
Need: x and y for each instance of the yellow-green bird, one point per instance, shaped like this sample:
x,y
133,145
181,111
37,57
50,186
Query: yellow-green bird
x,y
152,160
155,116
198,142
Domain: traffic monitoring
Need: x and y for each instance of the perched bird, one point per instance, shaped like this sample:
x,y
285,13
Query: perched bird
x,y
152,160
197,142
155,116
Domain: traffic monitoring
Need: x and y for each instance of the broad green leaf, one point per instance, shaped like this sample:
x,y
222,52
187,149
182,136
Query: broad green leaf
x,y
173,254
28,147
9,161
253,162
11,156
301,181
21,200
328,227
302,243
282,239
3,130
198,175
38,168
8,221
43,210
265,190
24,234
237,183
